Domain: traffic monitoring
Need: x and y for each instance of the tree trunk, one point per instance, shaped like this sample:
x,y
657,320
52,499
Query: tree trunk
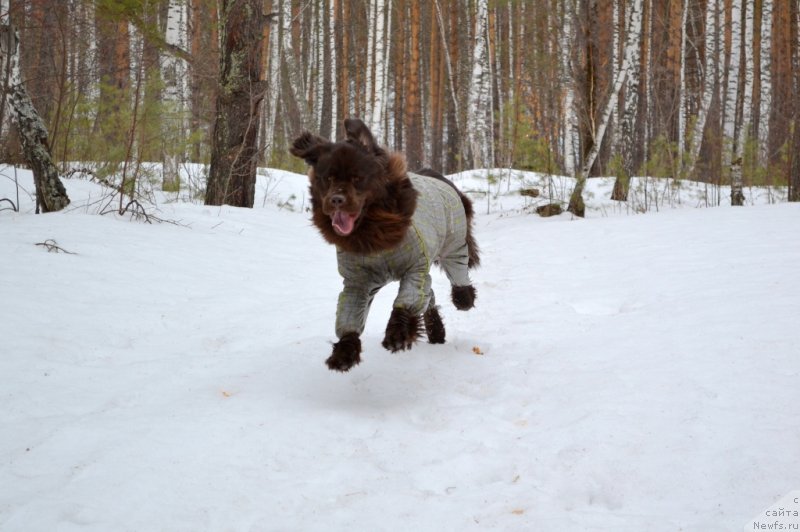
x,y
781,73
709,86
576,204
50,193
232,176
413,108
737,192
327,112
436,73
755,121
480,92
450,59
794,176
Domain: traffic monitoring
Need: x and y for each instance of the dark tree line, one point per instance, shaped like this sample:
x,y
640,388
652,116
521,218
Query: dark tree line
x,y
697,89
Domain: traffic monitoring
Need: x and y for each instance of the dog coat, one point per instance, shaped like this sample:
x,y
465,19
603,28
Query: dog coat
x,y
437,233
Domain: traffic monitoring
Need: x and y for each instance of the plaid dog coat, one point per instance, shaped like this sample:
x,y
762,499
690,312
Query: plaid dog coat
x,y
437,234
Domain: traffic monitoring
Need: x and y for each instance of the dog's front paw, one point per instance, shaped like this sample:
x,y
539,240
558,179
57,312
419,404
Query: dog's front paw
x,y
464,297
402,330
346,353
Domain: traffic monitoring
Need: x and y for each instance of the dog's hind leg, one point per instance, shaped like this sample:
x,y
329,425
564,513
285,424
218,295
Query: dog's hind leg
x,y
406,323
434,327
402,331
456,267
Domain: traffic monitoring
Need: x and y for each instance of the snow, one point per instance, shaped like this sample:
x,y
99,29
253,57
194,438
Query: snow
x,y
619,373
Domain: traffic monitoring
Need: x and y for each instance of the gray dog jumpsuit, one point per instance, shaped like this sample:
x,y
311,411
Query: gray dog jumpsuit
x,y
437,233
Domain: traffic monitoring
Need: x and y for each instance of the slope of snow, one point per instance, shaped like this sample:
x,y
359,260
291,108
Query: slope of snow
x,y
623,373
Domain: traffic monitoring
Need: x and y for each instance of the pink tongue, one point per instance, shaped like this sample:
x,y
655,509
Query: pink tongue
x,y
343,222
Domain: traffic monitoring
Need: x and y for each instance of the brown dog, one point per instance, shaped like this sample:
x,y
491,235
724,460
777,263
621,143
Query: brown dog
x,y
387,224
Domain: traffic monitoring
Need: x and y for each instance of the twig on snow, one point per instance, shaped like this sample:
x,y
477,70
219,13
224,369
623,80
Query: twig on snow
x,y
52,247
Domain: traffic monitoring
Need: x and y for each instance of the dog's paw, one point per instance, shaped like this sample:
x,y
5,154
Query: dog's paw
x,y
346,353
402,330
464,297
434,327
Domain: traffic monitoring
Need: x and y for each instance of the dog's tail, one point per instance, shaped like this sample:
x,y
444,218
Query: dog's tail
x,y
473,251
472,246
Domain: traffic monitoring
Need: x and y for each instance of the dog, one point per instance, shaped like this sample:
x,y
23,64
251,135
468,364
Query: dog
x,y
387,225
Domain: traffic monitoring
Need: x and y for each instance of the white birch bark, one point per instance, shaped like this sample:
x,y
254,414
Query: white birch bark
x,y
273,91
631,103
572,133
711,35
50,193
175,73
748,70
635,21
334,85
737,193
379,67
317,40
682,87
766,74
615,60
480,103
369,94
766,80
729,92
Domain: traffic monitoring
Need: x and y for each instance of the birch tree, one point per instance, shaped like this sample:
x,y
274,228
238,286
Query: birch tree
x,y
379,27
571,134
480,97
630,107
576,204
175,73
709,75
50,193
737,192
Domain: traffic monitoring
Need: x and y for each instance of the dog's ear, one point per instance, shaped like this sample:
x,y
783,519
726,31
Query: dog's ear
x,y
358,132
309,147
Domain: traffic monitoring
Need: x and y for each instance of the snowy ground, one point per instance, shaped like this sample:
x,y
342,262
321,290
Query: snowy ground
x,y
635,373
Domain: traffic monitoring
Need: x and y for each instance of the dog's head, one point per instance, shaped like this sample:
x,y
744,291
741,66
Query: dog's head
x,y
348,178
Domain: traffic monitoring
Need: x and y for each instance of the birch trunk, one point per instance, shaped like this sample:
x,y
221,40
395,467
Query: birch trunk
x,y
576,204
50,193
273,66
737,193
480,101
627,124
572,133
711,36
176,93
380,64
682,87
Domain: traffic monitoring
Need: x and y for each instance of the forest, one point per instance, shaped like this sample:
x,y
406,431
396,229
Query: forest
x,y
700,90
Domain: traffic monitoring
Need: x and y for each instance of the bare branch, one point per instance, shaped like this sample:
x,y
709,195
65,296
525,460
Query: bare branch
x,y
52,247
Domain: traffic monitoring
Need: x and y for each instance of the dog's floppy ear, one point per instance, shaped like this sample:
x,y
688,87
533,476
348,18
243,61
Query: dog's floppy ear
x,y
309,147
358,132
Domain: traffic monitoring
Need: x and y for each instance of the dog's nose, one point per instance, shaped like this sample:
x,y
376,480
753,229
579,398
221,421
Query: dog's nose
x,y
337,200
